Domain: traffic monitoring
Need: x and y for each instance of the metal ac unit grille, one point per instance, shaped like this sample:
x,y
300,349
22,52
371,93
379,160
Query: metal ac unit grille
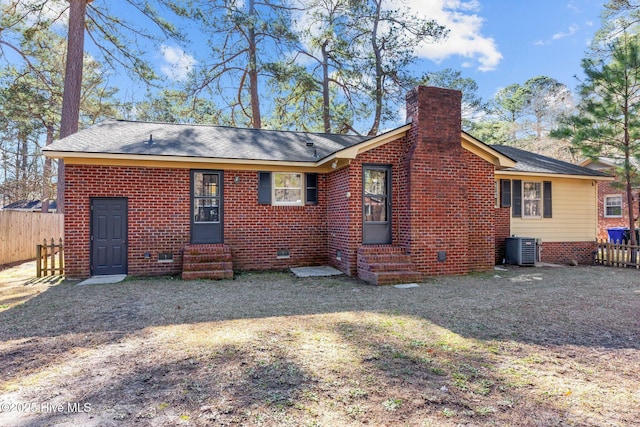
x,y
520,250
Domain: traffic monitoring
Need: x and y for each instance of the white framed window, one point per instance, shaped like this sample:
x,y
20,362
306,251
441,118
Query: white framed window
x,y
531,199
288,188
613,206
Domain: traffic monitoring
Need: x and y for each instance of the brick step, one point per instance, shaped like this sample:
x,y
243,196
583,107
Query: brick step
x,y
385,259
207,266
211,261
206,249
386,265
390,277
378,250
206,257
211,275
389,266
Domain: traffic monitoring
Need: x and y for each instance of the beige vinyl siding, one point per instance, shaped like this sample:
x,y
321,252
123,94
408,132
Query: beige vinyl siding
x,y
574,212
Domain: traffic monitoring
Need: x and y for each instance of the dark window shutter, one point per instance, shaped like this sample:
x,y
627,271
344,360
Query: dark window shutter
x,y
516,198
505,193
264,188
546,203
312,188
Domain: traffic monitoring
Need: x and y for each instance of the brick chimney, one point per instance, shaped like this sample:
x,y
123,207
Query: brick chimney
x,y
435,223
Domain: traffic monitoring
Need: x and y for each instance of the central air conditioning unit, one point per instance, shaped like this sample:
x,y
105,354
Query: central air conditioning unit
x,y
520,251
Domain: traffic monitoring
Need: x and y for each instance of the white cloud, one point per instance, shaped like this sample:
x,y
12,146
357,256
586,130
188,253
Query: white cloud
x,y
177,63
459,16
572,30
465,33
572,6
562,34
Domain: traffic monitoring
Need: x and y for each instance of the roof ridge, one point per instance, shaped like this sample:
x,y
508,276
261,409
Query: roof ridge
x,y
235,128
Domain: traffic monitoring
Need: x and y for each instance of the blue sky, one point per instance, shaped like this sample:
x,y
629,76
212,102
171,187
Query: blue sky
x,y
495,42
511,41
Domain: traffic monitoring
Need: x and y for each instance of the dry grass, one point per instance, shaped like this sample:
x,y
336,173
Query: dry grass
x,y
533,347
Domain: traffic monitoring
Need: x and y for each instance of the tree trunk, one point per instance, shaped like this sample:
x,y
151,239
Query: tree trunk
x,y
5,169
256,119
539,118
23,170
627,174
629,190
46,173
72,83
326,105
378,66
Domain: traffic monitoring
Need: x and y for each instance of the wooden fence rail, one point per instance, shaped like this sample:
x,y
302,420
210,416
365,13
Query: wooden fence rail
x,y
20,232
46,259
617,254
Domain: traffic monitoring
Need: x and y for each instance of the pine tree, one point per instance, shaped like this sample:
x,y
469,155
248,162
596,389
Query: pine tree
x,y
608,122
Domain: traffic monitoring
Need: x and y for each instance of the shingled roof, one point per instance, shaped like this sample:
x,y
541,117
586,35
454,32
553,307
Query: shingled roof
x,y
203,141
529,162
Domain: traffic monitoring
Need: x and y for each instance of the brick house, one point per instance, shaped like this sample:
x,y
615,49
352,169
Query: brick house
x,y
613,207
154,198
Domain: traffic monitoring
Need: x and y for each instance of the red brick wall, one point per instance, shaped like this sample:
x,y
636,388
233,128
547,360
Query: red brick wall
x,y
481,206
451,201
607,189
567,252
394,154
255,232
342,221
158,202
502,231
345,214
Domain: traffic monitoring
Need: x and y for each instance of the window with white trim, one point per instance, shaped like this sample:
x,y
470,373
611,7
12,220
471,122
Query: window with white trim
x,y
613,206
531,199
288,188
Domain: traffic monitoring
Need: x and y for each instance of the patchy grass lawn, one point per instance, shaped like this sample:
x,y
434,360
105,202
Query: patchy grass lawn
x,y
532,347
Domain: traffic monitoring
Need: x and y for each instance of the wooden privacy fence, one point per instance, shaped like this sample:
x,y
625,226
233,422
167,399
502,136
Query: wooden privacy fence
x,y
50,258
20,232
617,254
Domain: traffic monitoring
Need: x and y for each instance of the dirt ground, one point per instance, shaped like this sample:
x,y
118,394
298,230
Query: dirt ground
x,y
523,347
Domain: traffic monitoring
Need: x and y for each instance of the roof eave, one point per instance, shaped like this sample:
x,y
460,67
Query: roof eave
x,y
499,160
554,175
180,159
603,162
352,152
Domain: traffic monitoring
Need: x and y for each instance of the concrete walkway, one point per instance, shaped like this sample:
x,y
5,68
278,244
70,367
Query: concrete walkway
x,y
315,271
103,280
